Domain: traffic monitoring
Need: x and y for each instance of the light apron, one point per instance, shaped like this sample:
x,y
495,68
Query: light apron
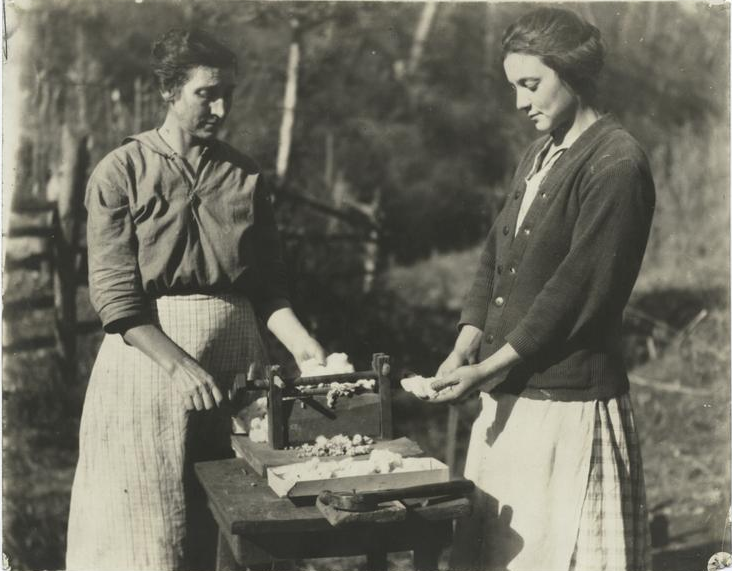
x,y
135,503
559,487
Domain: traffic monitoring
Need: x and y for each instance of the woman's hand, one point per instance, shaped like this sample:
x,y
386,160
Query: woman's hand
x,y
195,385
305,348
452,362
465,351
287,328
484,376
458,383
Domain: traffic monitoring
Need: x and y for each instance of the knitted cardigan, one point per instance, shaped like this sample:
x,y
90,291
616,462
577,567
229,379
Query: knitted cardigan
x,y
556,291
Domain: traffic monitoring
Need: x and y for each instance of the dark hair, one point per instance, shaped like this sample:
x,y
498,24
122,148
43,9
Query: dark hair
x,y
178,50
564,42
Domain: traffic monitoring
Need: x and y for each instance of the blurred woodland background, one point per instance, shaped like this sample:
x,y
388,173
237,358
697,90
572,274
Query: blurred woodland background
x,y
389,133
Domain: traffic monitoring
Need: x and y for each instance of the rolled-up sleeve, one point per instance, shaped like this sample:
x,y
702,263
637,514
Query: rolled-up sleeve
x,y
272,293
114,277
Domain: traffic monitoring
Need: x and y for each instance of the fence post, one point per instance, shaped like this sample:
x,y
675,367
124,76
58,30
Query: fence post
x,y
67,222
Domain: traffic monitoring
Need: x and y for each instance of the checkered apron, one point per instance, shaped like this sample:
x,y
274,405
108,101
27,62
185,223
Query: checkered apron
x,y
613,526
135,502
559,487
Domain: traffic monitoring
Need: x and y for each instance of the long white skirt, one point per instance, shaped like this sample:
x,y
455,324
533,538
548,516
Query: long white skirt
x,y
135,503
559,487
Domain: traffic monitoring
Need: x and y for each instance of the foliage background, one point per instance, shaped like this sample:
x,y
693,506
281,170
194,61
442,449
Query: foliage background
x,y
436,147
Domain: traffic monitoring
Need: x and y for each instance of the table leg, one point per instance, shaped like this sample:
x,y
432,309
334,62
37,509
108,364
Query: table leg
x,y
427,552
376,560
225,560
426,558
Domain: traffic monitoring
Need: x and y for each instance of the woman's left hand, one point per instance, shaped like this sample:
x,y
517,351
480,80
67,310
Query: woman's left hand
x,y
304,347
288,329
458,384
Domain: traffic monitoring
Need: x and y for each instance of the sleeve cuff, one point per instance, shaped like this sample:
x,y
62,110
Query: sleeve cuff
x,y
122,324
472,315
114,319
266,308
523,343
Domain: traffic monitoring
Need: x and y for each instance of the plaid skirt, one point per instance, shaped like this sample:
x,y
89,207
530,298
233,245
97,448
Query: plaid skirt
x,y
135,502
559,487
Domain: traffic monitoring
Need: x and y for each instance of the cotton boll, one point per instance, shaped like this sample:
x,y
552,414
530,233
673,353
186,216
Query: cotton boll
x,y
259,429
409,384
338,363
310,368
384,461
335,364
419,386
258,435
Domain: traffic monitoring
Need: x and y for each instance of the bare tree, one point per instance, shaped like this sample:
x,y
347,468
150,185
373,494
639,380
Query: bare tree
x,y
290,102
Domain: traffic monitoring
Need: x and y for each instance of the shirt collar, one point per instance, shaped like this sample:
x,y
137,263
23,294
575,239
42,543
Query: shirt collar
x,y
541,160
152,140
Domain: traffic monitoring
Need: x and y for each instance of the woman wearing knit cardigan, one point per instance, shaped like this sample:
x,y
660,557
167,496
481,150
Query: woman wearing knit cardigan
x,y
554,453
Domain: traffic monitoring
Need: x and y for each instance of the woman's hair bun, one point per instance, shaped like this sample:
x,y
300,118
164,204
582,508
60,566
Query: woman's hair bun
x,y
564,41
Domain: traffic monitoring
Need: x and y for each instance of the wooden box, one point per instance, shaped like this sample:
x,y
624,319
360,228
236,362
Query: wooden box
x,y
293,420
283,479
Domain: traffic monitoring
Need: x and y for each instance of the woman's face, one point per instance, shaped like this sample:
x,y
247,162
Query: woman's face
x,y
545,98
202,103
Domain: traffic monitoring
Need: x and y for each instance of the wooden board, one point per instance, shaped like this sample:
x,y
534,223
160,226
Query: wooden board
x,y
243,503
287,480
386,512
261,456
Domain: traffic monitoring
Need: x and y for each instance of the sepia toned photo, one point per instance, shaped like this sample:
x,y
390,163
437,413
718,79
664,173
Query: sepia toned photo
x,y
340,285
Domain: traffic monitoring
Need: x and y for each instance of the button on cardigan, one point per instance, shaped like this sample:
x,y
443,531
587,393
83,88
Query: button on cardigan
x,y
573,266
153,230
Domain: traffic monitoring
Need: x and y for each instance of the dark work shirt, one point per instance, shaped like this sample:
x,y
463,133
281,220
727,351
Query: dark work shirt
x,y
155,230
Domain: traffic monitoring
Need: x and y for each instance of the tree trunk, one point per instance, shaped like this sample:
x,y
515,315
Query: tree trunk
x,y
288,108
420,36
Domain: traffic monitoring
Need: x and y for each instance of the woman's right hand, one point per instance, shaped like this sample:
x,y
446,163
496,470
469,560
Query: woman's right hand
x,y
453,361
195,385
465,351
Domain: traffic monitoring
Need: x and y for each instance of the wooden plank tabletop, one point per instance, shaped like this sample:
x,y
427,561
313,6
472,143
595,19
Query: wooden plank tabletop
x,y
245,504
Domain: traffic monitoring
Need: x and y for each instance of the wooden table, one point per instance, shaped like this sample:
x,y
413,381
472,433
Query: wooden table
x,y
256,527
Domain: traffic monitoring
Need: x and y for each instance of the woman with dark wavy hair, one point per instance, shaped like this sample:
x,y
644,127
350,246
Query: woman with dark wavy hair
x,y
184,264
554,452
